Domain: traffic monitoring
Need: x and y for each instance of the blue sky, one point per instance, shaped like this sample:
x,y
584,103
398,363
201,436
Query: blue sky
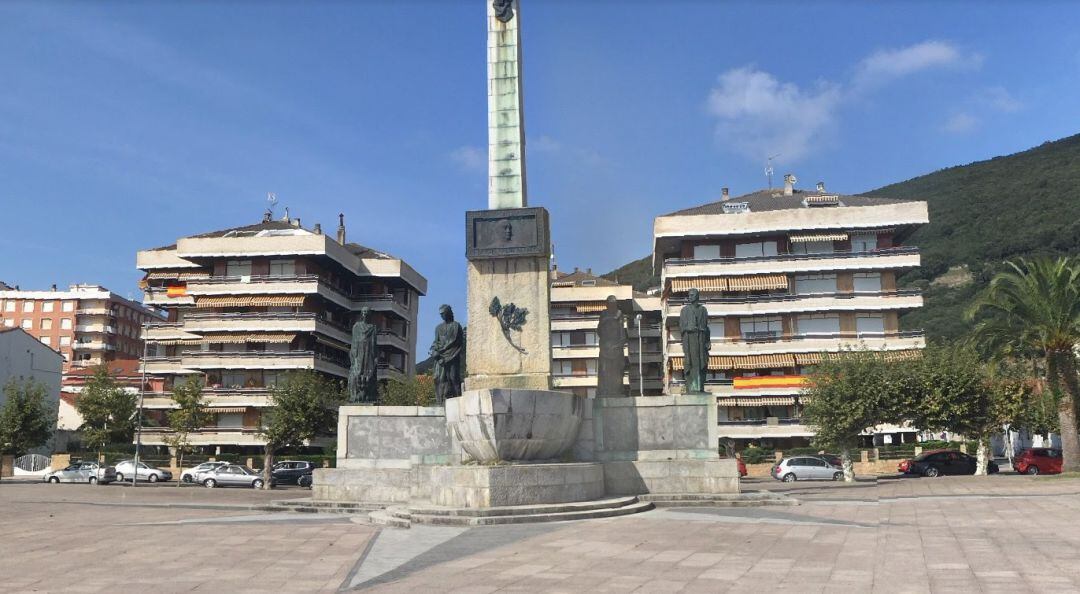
x,y
126,125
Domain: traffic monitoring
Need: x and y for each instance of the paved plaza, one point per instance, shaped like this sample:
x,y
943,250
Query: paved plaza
x,y
1003,533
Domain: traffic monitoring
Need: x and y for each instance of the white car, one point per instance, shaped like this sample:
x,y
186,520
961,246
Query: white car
x,y
191,475
125,469
82,472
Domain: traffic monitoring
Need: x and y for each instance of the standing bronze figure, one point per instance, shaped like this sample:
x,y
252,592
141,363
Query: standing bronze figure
x,y
612,331
363,369
448,349
696,339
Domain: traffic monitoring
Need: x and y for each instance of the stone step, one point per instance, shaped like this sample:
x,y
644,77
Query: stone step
x,y
326,507
522,510
386,517
586,514
751,499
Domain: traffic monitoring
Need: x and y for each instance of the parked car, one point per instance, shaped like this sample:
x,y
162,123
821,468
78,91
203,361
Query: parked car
x,y
1038,461
83,472
939,462
126,468
288,472
231,475
305,481
191,475
803,468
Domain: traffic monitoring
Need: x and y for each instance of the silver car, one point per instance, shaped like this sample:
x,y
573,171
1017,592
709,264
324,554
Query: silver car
x,y
125,469
192,475
806,468
231,475
82,472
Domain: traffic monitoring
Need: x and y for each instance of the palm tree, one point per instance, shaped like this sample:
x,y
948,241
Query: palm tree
x,y
1033,310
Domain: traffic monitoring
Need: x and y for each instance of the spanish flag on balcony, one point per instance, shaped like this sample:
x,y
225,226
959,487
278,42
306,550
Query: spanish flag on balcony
x,y
770,381
176,291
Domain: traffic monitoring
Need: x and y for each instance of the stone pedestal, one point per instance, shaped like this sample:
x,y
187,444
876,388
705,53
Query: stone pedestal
x,y
502,425
516,484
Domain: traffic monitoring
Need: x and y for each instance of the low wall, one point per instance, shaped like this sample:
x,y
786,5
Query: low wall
x,y
879,468
649,428
392,437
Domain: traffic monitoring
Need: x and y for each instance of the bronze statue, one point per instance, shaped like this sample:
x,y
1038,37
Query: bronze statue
x,y
363,370
504,10
448,351
612,331
696,340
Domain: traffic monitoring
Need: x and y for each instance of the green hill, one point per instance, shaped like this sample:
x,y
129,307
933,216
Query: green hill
x,y
981,214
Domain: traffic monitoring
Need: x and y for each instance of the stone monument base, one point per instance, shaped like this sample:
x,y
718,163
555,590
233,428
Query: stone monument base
x,y
516,484
668,477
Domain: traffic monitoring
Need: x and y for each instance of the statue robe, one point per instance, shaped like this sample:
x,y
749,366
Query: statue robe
x,y
448,350
612,365
363,368
696,339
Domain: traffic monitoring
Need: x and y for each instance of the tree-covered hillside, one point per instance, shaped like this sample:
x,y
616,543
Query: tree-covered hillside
x,y
981,214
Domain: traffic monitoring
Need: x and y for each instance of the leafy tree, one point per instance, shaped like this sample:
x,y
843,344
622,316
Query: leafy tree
x,y
849,392
1033,309
25,420
413,391
108,411
303,406
189,416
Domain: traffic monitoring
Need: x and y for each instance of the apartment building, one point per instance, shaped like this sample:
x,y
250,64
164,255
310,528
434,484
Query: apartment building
x,y
577,298
785,275
248,304
87,324
23,357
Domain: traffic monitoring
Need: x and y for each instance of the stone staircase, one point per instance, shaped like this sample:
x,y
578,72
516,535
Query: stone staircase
x,y
745,499
404,516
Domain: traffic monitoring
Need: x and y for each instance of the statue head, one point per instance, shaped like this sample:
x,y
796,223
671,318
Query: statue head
x,y
693,295
508,231
504,10
365,312
446,313
612,303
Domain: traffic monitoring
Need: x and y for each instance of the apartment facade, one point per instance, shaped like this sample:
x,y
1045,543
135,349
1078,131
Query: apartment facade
x,y
786,275
577,298
23,357
249,304
87,324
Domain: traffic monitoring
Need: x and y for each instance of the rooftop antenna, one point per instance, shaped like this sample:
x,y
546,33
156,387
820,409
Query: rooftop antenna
x,y
271,199
769,169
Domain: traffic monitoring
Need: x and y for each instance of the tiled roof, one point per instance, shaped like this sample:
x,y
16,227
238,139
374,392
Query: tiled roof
x,y
764,200
578,276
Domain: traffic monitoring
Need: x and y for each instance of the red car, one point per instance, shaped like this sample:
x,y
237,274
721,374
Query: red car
x,y
1038,461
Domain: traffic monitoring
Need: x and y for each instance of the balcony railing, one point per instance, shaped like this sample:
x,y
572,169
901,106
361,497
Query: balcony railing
x,y
757,337
761,422
894,251
772,297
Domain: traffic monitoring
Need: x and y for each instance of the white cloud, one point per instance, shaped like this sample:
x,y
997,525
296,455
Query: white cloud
x,y
543,144
961,123
999,99
886,65
470,158
760,115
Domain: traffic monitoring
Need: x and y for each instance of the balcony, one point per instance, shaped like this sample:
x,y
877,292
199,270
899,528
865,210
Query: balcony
x,y
215,398
583,351
248,359
164,366
389,338
751,305
647,330
248,436
883,259
201,322
574,381
760,428
93,345
764,343
387,371
574,322
93,311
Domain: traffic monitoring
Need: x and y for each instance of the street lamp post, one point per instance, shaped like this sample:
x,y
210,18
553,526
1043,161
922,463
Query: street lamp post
x,y
640,358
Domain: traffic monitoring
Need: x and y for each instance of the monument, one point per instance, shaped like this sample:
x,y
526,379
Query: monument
x,y
509,448
612,338
363,368
696,339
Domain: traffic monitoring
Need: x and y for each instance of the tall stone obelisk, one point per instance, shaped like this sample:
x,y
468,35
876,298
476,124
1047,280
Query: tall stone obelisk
x,y
508,245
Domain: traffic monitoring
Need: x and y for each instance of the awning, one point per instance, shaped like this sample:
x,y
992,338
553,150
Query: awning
x,y
815,358
823,199
757,401
250,301
590,306
723,363
176,275
226,409
707,285
561,284
242,337
760,282
176,341
770,381
331,342
819,237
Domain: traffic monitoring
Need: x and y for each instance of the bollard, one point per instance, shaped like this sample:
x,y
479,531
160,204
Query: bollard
x,y
865,456
877,455
779,455
918,450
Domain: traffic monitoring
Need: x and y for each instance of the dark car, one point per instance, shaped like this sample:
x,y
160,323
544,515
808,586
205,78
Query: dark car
x,y
1038,461
288,472
940,462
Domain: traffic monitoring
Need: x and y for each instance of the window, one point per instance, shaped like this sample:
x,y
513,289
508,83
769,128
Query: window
x,y
282,267
9,306
867,282
864,242
716,329
756,249
47,306
28,306
812,247
706,252
869,323
27,324
761,327
8,322
560,339
46,340
46,323
238,268
590,366
65,323
65,341
562,368
68,306
815,284
822,323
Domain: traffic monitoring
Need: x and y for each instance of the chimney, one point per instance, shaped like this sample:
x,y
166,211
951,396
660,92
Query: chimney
x,y
588,271
267,216
341,228
724,194
821,187
296,222
576,269
318,229
54,288
789,184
